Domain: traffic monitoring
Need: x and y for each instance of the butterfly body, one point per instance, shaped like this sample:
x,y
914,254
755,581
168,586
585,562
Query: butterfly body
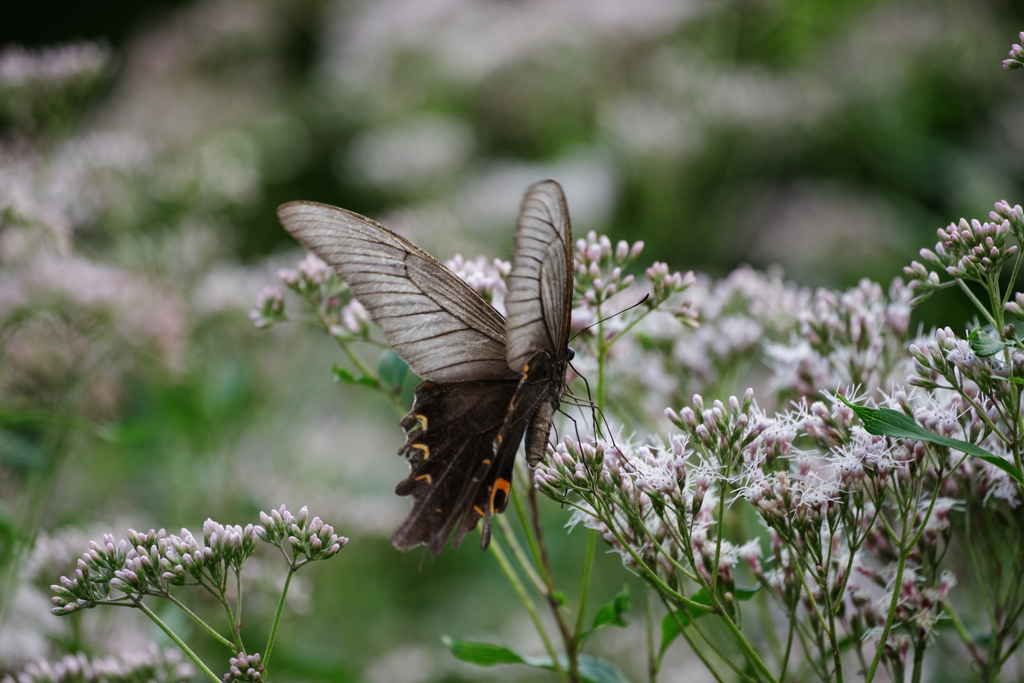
x,y
488,381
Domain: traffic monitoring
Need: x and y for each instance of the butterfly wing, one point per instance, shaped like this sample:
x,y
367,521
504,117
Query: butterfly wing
x,y
460,470
538,304
442,328
539,298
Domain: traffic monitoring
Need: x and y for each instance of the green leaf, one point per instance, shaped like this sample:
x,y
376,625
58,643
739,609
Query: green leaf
x,y
983,344
392,369
744,594
1016,380
481,654
591,669
596,670
670,626
896,425
344,376
559,597
610,614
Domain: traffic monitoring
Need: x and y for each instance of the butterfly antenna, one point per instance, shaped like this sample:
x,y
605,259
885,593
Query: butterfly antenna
x,y
628,308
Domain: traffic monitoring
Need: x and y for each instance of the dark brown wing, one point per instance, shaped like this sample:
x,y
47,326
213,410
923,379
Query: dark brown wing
x,y
539,298
442,328
460,470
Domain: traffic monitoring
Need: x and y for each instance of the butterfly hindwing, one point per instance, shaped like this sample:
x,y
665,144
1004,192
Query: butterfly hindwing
x,y
455,459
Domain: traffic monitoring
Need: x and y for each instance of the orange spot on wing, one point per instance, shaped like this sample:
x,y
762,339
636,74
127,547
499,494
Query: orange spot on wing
x,y
502,485
476,508
430,479
423,448
422,419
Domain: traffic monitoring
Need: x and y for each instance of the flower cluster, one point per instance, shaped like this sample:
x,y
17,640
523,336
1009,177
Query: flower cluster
x,y
308,537
152,665
487,278
318,284
972,251
599,268
244,669
22,67
656,505
853,338
737,315
1016,60
269,307
641,500
38,86
851,495
150,563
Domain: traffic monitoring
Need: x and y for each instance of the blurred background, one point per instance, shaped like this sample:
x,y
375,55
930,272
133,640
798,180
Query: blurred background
x,y
145,146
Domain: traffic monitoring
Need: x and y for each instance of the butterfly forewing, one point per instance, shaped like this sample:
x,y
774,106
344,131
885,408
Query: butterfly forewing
x,y
442,328
539,303
539,298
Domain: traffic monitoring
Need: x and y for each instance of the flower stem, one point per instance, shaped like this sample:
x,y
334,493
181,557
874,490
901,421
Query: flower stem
x,y
178,641
517,586
277,618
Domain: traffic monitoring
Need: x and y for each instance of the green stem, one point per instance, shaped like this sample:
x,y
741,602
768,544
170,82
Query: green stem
x,y
897,583
919,648
748,650
1013,278
992,285
720,521
653,663
517,552
277,618
789,647
716,606
588,566
568,639
179,642
602,351
236,625
984,311
394,399
652,577
221,589
531,540
1008,652
968,641
202,624
517,586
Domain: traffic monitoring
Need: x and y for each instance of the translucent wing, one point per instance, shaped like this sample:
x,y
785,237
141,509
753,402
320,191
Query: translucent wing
x,y
539,297
442,328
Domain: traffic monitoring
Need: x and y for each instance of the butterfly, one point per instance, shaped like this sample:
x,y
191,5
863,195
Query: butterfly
x,y
489,381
